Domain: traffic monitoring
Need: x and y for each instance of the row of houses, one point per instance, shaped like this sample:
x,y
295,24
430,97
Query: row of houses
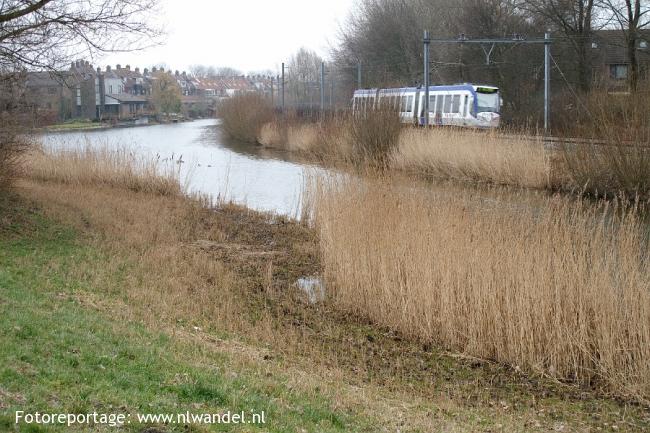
x,y
86,92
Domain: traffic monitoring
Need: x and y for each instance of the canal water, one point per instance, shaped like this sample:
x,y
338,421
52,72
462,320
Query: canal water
x,y
211,164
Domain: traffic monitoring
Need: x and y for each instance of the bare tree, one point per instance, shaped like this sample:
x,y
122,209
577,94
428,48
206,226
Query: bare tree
x,y
226,71
165,94
631,17
47,34
575,19
203,71
303,74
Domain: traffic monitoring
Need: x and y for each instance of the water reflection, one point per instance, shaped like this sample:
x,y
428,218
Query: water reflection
x,y
250,175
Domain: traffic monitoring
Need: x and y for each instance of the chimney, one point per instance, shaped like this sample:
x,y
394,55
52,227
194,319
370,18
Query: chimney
x,y
184,74
128,67
176,73
99,70
137,70
146,71
108,68
153,70
118,66
72,65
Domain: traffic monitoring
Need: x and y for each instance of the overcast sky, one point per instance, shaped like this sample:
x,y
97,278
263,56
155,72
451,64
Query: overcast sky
x,y
250,35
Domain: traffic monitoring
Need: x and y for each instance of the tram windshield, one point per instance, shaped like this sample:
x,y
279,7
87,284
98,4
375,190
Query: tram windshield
x,y
487,100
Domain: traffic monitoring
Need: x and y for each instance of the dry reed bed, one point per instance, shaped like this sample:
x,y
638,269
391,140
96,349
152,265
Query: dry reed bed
x,y
445,153
474,156
118,168
546,284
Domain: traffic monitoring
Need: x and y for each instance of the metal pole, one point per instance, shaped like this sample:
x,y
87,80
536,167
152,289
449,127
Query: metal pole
x,y
322,86
426,77
272,99
358,75
547,80
283,87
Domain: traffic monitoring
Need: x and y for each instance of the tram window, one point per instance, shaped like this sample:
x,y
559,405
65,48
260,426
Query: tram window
x,y
447,107
409,104
438,106
466,105
455,108
432,103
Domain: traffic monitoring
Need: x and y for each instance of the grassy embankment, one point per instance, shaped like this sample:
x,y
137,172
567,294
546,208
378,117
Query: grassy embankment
x,y
117,293
75,125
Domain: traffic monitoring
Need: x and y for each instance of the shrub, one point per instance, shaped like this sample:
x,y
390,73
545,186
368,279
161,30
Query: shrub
x,y
243,116
617,159
374,135
12,147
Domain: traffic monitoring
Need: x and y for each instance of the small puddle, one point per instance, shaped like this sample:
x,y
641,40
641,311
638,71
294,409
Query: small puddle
x,y
314,288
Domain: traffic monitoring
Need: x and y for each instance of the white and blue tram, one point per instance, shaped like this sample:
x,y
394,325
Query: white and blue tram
x,y
467,105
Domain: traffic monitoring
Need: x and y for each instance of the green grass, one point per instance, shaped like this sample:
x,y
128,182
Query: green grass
x,y
59,355
74,125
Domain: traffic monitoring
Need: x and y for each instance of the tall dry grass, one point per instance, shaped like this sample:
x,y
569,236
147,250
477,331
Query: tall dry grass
x,y
118,168
619,160
362,139
546,284
243,116
476,157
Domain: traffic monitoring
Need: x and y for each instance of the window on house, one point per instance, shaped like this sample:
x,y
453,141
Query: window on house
x,y
51,90
643,44
110,88
618,72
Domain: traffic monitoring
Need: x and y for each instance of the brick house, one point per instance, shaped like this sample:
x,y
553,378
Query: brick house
x,y
611,63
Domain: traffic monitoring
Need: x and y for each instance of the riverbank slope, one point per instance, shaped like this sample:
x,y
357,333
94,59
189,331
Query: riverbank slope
x,y
152,302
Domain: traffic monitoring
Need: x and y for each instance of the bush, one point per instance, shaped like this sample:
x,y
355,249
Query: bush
x,y
11,149
243,116
375,135
617,160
